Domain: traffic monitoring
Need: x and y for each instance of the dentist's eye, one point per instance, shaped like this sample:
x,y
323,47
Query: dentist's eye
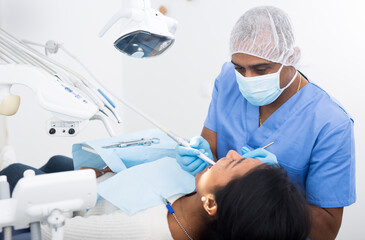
x,y
240,70
260,71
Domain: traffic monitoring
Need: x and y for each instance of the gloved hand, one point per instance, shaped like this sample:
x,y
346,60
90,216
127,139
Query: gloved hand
x,y
188,159
262,155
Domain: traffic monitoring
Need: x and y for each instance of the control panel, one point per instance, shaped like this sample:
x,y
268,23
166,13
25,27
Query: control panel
x,y
63,128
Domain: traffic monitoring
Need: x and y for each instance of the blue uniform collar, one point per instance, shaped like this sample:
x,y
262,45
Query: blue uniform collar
x,y
270,128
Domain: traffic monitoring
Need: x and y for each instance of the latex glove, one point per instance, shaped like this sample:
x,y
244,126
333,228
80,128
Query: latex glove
x,y
188,159
260,154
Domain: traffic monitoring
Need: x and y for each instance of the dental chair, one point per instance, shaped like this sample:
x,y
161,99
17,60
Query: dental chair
x,y
45,199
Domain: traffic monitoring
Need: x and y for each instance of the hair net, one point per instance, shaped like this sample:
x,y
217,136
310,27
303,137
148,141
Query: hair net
x,y
265,32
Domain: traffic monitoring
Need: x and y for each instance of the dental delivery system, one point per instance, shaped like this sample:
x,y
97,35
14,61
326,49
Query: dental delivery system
x,y
72,98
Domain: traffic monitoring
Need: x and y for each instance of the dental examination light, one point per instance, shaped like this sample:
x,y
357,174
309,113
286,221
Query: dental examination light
x,y
147,32
45,199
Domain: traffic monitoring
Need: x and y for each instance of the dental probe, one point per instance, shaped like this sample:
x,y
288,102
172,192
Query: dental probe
x,y
268,145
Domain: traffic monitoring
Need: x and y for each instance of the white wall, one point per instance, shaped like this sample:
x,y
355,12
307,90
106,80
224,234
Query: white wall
x,y
175,88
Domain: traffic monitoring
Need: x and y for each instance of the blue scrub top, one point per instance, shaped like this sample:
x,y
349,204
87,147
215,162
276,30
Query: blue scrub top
x,y
312,134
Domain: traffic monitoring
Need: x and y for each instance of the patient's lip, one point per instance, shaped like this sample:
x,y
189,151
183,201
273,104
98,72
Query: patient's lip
x,y
206,169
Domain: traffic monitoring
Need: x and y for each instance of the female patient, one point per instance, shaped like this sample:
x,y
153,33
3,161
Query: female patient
x,y
235,199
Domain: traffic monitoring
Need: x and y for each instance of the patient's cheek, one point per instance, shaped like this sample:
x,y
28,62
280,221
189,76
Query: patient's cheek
x,y
204,183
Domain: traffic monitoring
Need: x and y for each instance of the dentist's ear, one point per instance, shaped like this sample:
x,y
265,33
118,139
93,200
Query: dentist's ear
x,y
210,205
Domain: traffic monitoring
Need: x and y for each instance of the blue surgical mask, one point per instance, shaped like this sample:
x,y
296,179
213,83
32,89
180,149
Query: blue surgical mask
x,y
261,90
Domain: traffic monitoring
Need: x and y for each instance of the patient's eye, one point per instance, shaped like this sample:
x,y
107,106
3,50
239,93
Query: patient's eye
x,y
239,161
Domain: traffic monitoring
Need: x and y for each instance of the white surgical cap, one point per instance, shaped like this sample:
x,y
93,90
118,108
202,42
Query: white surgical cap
x,y
265,32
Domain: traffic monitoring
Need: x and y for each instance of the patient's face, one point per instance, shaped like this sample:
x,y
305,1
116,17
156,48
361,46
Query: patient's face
x,y
225,170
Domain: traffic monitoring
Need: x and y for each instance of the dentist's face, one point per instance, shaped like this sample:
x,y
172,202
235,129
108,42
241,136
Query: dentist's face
x,y
225,170
251,66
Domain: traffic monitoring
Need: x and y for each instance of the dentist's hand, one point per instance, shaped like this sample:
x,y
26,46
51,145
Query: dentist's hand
x,y
262,155
188,159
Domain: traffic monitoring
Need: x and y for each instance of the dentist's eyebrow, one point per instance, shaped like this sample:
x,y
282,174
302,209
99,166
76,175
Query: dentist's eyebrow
x,y
254,65
260,65
235,64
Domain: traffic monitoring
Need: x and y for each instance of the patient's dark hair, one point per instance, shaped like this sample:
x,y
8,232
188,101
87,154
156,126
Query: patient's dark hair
x,y
262,205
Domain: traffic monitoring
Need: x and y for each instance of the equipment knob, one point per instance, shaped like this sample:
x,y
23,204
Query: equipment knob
x,y
52,131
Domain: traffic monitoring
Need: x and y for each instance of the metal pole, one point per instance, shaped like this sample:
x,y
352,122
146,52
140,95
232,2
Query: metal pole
x,y
35,231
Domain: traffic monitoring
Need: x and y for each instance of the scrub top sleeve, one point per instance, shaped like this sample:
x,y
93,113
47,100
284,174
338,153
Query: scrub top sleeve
x,y
331,175
211,120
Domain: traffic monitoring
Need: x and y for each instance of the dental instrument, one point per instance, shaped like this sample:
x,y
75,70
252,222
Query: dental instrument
x,y
245,149
136,142
185,143
93,154
261,154
268,145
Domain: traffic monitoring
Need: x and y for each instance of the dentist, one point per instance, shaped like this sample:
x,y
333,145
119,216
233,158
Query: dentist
x,y
260,97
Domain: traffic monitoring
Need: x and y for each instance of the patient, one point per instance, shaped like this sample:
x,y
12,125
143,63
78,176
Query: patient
x,y
235,199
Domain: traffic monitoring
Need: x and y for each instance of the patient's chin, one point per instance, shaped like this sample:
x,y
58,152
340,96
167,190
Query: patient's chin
x,y
199,174
197,177
201,180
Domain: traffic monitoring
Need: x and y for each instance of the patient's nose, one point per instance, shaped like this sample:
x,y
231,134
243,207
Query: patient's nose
x,y
233,155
